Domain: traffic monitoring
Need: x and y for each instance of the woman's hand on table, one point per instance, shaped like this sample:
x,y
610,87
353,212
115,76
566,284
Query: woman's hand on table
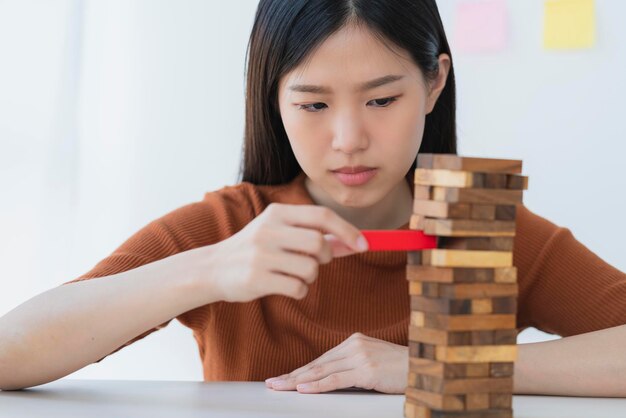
x,y
360,361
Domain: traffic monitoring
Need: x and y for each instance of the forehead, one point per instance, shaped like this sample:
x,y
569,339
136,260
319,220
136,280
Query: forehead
x,y
351,55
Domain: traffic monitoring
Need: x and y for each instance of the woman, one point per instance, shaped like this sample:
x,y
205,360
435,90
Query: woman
x,y
272,275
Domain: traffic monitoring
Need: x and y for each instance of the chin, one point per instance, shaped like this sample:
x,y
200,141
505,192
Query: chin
x,y
356,199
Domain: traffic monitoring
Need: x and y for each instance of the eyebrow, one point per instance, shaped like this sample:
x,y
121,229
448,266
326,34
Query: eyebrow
x,y
368,85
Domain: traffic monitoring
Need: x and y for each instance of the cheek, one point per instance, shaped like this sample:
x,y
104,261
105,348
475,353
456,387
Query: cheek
x,y
304,136
405,137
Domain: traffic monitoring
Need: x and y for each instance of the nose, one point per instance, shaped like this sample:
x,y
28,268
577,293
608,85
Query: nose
x,y
350,135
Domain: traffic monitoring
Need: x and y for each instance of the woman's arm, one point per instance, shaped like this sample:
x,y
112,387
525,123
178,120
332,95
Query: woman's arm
x,y
591,364
71,326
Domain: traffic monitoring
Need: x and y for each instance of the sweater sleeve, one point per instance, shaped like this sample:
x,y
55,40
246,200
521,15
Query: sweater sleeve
x,y
564,288
191,226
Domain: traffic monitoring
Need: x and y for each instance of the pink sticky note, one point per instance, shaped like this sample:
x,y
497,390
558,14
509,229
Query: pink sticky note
x,y
481,26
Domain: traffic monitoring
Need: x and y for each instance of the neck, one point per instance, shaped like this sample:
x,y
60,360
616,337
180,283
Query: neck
x,y
391,212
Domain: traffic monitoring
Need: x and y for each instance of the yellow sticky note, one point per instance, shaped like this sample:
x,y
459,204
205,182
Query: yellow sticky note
x,y
569,24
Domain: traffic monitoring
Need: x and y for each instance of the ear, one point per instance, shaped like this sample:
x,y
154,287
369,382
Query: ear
x,y
436,86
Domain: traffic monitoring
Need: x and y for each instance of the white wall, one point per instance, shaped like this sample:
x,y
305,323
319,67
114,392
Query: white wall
x,y
116,112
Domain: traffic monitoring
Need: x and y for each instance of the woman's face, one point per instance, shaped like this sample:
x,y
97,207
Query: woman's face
x,y
354,114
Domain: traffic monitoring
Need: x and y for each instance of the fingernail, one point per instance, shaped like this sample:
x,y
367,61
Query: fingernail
x,y
304,386
278,383
271,379
361,243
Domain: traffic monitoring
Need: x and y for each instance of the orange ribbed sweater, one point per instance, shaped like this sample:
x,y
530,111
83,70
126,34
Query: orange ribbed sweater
x,y
564,288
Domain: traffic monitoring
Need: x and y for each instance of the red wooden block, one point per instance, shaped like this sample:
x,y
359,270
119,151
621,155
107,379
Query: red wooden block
x,y
399,240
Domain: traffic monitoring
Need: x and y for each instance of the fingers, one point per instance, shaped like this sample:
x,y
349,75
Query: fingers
x,y
313,374
335,381
279,284
335,354
306,241
296,265
324,219
337,247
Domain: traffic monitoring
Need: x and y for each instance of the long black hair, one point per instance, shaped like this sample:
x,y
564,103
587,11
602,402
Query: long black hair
x,y
285,32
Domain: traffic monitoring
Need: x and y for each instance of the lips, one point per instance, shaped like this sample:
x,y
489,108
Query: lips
x,y
355,176
353,170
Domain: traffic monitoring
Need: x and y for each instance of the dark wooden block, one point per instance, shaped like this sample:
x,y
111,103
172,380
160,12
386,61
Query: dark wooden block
x,y
461,386
476,243
456,275
466,227
505,212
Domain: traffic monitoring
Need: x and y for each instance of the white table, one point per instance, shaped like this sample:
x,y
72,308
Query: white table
x,y
131,398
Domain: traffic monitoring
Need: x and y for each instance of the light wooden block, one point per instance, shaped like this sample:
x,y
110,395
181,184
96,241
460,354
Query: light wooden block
x,y
468,179
437,209
476,354
463,258
455,162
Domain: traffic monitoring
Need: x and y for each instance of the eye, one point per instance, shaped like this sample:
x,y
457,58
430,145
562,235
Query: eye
x,y
312,107
384,102
317,107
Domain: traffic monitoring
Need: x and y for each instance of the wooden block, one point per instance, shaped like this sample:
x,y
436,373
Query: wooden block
x,y
505,275
496,180
416,288
455,162
418,319
443,370
468,179
464,227
441,305
507,304
500,400
422,350
517,182
448,306
476,369
476,401
448,178
437,209
412,410
476,354
476,290
482,306
422,192
463,258
505,212
415,409
455,338
414,257
417,222
481,196
478,211
461,386
464,290
462,322
501,369
476,243
502,275
436,400
505,336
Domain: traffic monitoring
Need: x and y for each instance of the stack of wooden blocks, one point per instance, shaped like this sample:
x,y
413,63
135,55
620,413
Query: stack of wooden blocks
x,y
462,336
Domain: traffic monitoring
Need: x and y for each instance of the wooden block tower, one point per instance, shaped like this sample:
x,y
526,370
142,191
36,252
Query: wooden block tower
x,y
462,335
